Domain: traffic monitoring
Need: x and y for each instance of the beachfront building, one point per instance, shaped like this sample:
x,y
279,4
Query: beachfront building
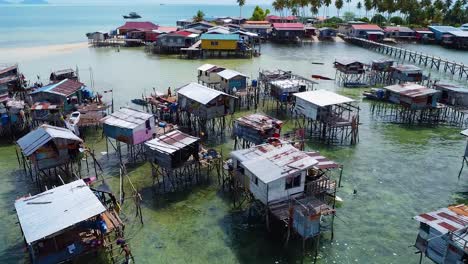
x,y
61,75
232,81
399,32
224,45
136,26
406,73
182,23
456,40
424,35
440,31
326,33
173,42
208,75
287,32
453,95
219,30
255,129
279,87
131,127
202,26
49,151
203,110
367,31
174,158
277,176
68,222
278,19
443,235
11,80
261,28
327,116
350,73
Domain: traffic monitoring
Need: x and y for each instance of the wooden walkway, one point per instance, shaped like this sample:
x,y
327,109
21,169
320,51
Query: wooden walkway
x,y
442,65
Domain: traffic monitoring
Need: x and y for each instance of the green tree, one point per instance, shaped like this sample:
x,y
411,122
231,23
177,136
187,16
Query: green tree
x,y
241,3
368,6
397,20
199,16
338,5
378,19
348,16
259,14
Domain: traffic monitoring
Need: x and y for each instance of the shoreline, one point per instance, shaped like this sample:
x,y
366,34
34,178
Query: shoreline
x,y
35,52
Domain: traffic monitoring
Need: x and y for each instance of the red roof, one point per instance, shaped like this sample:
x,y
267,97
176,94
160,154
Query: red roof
x,y
366,27
283,18
183,33
288,26
167,29
139,26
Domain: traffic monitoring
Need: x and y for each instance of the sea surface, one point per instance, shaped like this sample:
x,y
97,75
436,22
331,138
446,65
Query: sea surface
x,y
394,173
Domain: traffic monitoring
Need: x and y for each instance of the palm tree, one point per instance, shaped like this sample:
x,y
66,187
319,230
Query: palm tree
x,y
359,6
338,5
327,3
199,16
241,3
348,2
368,5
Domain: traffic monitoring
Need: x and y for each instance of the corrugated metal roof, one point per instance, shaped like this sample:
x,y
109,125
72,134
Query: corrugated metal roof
x,y
323,98
126,118
446,220
411,90
64,71
443,29
451,87
406,68
269,163
346,62
219,30
171,142
57,209
139,26
460,33
65,87
44,106
229,74
259,122
8,68
199,93
464,132
288,26
287,83
220,37
206,67
323,162
366,27
43,134
398,29
8,79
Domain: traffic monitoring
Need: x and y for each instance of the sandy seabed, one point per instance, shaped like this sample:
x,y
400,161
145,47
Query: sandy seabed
x,y
39,51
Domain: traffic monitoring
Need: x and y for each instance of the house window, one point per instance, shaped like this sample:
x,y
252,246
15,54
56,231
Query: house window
x,y
179,40
293,182
255,180
214,43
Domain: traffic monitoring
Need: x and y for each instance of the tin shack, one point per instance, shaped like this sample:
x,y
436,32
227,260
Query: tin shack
x,y
413,96
232,81
204,102
49,147
256,128
129,126
208,74
454,95
173,149
443,235
407,73
65,223
66,94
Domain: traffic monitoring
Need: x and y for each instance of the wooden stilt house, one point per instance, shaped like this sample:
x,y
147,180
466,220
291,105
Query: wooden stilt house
x,y
330,117
255,129
67,223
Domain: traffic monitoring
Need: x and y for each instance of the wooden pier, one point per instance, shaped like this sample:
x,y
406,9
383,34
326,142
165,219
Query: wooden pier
x,y
442,65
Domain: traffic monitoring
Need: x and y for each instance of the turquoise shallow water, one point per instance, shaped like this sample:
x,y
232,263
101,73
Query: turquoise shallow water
x,y
397,171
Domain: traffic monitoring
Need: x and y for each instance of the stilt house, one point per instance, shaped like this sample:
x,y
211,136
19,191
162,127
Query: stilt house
x,y
66,222
257,128
129,126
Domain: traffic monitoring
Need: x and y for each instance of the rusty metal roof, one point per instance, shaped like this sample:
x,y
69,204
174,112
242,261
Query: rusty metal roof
x,y
446,220
65,88
323,162
171,142
259,122
410,90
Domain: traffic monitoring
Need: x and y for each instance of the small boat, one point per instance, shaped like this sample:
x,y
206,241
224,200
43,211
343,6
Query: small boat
x,y
374,94
132,15
355,85
318,63
140,102
72,122
316,76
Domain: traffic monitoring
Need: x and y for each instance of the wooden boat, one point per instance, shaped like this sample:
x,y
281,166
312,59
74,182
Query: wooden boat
x,y
140,102
132,15
374,94
316,76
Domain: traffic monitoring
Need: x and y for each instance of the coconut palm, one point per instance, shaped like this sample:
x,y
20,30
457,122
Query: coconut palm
x,y
338,5
359,6
327,3
368,6
241,3
199,16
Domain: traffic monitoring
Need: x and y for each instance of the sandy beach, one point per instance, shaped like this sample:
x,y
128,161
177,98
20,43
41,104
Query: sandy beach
x,y
35,52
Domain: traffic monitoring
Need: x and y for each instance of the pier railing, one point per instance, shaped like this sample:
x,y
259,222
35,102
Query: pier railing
x,y
433,62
